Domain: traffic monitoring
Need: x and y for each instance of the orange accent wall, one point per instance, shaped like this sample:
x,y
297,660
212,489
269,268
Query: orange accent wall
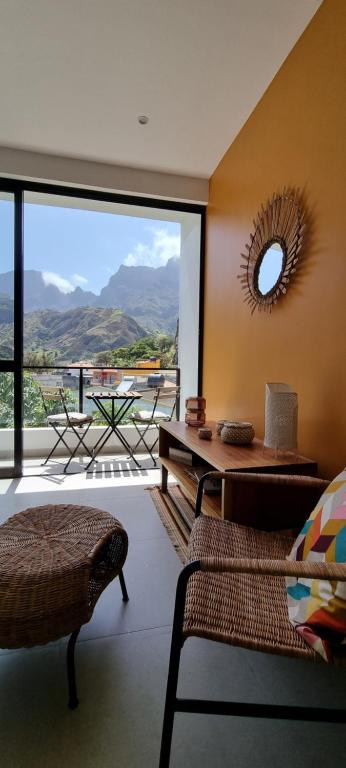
x,y
295,137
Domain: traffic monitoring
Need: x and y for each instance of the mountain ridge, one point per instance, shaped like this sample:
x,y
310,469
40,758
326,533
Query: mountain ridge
x,y
150,295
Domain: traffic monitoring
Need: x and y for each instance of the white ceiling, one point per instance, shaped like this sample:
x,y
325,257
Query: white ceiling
x,y
75,75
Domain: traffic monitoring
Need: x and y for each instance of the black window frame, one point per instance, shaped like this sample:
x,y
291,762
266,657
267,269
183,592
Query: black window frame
x,y
18,187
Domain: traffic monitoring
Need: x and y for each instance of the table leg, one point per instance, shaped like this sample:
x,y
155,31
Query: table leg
x,y
164,478
126,445
99,445
117,420
113,420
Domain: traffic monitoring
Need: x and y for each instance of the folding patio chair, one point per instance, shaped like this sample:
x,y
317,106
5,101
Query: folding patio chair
x,y
65,422
144,420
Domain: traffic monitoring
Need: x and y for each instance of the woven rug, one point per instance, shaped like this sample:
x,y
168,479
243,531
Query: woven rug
x,y
177,515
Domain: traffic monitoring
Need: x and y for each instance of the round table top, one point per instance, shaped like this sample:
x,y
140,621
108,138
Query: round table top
x,y
52,538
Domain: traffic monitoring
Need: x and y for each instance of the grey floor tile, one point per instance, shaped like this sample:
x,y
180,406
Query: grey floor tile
x,y
151,572
201,742
296,681
117,723
121,683
240,675
29,701
137,514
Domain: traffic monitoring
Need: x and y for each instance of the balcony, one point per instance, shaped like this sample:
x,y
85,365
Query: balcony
x,y
79,381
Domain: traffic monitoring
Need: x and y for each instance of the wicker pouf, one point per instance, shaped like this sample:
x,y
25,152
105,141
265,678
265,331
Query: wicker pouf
x,y
55,561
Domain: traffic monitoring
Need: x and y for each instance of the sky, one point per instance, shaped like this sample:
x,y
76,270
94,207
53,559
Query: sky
x,y
74,247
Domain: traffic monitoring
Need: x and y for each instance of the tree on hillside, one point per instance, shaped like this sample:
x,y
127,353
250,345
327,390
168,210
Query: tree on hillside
x,y
104,358
176,345
158,345
6,400
39,357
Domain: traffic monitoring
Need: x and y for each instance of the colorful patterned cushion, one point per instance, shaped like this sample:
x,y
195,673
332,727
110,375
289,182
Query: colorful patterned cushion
x,y
317,608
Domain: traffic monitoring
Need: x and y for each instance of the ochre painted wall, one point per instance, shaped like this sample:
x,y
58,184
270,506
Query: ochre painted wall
x,y
295,137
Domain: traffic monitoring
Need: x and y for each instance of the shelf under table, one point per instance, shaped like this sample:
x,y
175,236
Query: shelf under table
x,y
211,504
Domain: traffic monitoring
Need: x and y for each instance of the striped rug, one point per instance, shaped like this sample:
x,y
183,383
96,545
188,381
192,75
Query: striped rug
x,y
177,515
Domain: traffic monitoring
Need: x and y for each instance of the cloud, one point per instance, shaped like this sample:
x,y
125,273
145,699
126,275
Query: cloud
x,y
164,247
79,279
52,278
63,285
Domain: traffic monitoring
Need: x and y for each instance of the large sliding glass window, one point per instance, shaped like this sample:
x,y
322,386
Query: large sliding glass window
x,y
100,277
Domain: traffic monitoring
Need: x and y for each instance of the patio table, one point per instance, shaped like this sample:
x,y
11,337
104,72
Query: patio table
x,y
120,402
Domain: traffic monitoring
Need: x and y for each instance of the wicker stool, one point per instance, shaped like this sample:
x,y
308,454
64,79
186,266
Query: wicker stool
x,y
55,561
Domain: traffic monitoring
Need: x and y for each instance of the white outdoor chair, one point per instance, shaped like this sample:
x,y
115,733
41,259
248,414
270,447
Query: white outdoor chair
x,y
147,420
64,423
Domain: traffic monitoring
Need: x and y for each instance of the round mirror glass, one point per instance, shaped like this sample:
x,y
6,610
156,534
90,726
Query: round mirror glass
x,y
270,268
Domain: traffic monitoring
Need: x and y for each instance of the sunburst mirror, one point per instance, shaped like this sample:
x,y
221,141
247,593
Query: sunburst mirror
x,y
273,251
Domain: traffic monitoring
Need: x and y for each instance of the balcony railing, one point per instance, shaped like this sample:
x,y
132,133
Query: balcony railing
x,y
78,381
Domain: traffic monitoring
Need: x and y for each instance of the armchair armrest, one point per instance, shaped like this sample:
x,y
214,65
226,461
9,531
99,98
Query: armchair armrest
x,y
267,501
274,567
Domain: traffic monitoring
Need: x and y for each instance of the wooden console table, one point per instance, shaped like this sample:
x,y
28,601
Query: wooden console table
x,y
223,457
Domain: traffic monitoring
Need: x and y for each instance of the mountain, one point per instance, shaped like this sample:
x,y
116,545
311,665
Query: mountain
x,y
77,333
6,317
149,295
38,295
6,309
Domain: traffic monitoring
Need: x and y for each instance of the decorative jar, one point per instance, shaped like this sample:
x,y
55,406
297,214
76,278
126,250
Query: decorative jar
x,y
204,433
237,432
195,411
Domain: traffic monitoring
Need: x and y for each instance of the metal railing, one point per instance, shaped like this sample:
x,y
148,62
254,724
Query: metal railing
x,y
108,378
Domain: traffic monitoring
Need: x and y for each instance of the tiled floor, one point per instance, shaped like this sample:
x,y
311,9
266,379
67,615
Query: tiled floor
x,y
122,658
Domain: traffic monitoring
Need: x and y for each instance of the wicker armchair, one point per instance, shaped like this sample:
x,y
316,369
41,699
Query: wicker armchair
x,y
221,597
55,561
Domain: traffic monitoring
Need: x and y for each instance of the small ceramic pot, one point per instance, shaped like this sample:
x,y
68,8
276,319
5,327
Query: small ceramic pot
x,y
204,433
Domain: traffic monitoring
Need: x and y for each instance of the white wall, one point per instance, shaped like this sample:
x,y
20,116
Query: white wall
x,y
189,307
39,441
69,171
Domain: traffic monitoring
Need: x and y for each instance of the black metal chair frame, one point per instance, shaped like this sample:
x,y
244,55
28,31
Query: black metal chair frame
x,y
174,704
143,425
79,431
73,700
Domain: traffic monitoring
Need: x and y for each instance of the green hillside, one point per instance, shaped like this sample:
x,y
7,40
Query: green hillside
x,y
76,334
